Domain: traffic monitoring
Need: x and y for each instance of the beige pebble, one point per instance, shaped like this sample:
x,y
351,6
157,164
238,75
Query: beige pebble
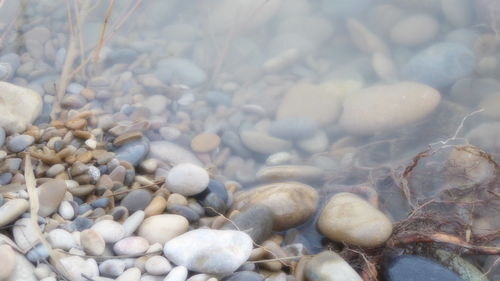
x,y
92,242
156,206
205,142
162,228
176,199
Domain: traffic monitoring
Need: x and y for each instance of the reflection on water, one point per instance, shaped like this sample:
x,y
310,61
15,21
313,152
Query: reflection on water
x,y
344,93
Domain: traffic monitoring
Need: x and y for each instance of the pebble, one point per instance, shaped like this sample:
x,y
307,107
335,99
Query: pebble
x,y
19,143
310,101
131,274
162,228
172,153
263,143
2,136
20,107
184,211
414,30
214,198
210,251
81,223
329,266
61,239
187,179
410,268
157,265
76,266
156,206
133,152
156,103
112,267
385,107
350,219
290,172
178,273
110,230
365,39
136,200
11,210
133,246
132,223
24,270
180,70
205,142
8,261
38,253
50,195
256,221
440,65
293,128
126,138
244,276
92,242
314,144
291,203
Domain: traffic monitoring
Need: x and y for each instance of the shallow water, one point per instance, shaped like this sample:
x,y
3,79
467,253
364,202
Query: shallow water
x,y
329,84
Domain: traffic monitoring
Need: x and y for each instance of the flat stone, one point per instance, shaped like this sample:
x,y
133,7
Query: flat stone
x,y
412,268
329,266
291,203
210,251
256,221
172,153
157,265
19,143
20,107
8,261
92,242
187,179
133,246
385,107
110,230
350,219
263,143
11,210
133,152
414,30
136,200
311,101
50,195
440,65
290,172
162,228
205,142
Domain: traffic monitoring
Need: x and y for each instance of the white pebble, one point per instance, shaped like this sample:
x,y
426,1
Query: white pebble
x,y
131,274
178,273
157,265
66,210
110,230
133,245
187,179
133,222
112,268
61,239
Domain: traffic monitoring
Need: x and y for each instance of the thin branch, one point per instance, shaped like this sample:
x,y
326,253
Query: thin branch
x,y
104,26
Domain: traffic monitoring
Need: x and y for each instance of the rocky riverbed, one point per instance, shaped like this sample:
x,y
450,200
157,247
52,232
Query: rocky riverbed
x,y
241,140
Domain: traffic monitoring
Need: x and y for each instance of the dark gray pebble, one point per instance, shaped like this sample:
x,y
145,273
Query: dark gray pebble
x,y
256,221
119,212
184,211
100,203
133,152
136,200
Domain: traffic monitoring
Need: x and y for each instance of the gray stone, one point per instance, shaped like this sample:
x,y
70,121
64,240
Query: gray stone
x,y
180,70
293,128
2,136
136,200
244,276
134,151
256,221
19,143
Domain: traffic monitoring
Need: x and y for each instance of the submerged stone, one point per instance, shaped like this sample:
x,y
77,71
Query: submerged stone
x,y
415,268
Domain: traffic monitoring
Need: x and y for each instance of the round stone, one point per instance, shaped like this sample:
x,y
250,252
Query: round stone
x,y
111,231
20,107
162,228
291,203
157,265
131,246
136,200
92,242
385,107
11,210
350,219
131,274
50,195
205,142
19,143
210,251
187,179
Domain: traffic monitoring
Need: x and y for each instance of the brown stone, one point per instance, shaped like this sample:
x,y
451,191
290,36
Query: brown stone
x,y
76,124
205,142
156,206
127,137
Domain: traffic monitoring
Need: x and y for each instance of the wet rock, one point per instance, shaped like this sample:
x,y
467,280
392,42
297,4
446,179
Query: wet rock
x,y
263,143
136,200
385,107
214,198
20,107
310,101
187,179
50,195
210,251
180,71
111,231
133,246
414,30
19,143
440,65
162,228
133,152
293,128
291,203
11,210
329,266
350,219
172,153
256,221
409,268
290,172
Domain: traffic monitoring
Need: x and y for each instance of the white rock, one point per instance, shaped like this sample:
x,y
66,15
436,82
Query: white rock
x,y
24,270
133,222
8,261
384,107
75,266
110,230
162,228
20,107
329,266
133,246
317,143
210,251
187,179
24,234
112,267
178,273
148,277
66,210
169,152
131,274
11,210
61,239
156,103
157,265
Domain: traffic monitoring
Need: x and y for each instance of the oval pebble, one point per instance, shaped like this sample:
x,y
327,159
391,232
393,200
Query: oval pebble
x,y
111,231
92,242
187,179
132,246
136,200
19,143
157,265
11,210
